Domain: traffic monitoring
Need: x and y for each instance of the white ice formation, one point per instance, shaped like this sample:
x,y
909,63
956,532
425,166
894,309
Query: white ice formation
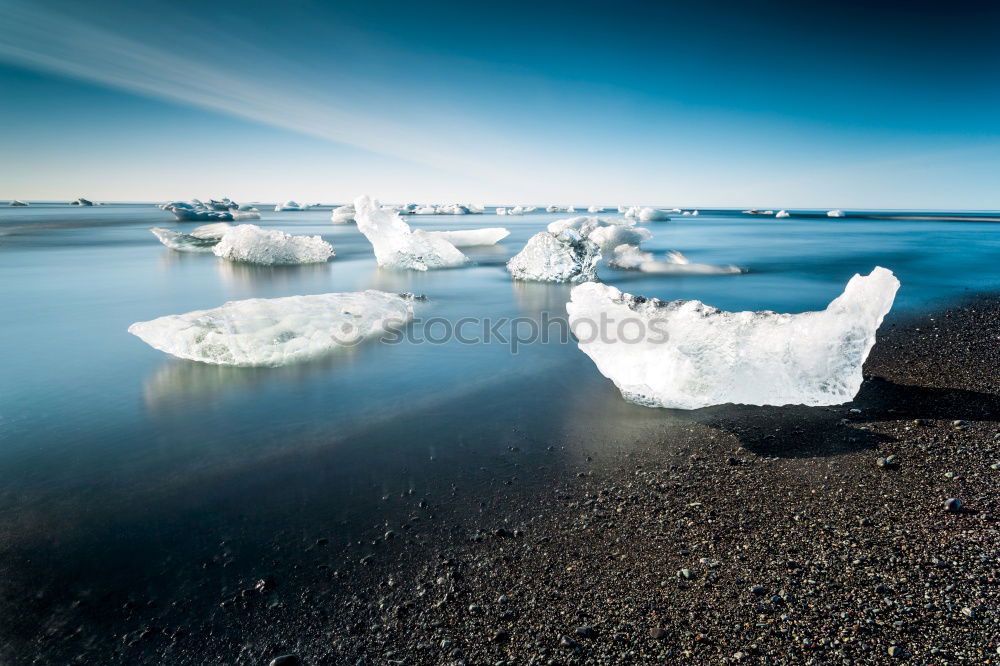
x,y
343,214
472,237
782,213
200,239
652,215
81,202
290,206
556,257
835,213
18,202
224,210
276,331
689,355
250,244
607,233
397,246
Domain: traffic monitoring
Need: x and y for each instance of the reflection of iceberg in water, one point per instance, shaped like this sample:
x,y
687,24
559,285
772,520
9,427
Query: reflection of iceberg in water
x,y
536,297
237,273
178,384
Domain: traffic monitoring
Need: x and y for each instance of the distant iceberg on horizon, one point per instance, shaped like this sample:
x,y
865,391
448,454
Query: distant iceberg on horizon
x,y
691,355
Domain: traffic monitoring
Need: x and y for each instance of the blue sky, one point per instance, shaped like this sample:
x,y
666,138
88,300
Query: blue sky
x,y
853,105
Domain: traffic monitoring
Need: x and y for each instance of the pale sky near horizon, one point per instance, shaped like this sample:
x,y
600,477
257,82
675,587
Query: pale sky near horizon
x,y
850,105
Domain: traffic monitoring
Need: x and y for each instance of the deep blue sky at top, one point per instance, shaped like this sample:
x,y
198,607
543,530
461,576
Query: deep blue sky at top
x,y
710,103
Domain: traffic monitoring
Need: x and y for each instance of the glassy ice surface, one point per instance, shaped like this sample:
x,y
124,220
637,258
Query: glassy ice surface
x,y
116,453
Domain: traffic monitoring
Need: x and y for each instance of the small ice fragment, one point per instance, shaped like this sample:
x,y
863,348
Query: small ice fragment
x,y
472,237
687,355
782,213
501,211
630,257
18,202
276,331
81,202
202,239
694,212
556,257
397,246
678,264
343,214
289,205
249,243
835,213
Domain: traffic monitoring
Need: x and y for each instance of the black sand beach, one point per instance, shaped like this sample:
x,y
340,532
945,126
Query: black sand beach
x,y
734,535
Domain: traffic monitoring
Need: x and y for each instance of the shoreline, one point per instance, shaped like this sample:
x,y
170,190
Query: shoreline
x,y
731,534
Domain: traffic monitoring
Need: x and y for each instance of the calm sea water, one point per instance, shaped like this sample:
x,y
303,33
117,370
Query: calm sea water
x,y
109,448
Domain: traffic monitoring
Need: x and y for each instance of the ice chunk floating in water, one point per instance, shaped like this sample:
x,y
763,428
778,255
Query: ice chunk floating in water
x,y
397,246
343,214
276,331
472,237
201,239
690,355
251,244
556,257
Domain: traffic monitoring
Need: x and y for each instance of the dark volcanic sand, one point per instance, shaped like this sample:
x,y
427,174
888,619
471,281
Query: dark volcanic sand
x,y
739,534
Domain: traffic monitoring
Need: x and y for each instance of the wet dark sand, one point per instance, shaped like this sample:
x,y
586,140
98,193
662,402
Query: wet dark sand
x,y
732,534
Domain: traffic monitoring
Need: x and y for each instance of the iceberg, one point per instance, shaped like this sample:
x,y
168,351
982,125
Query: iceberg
x,y
426,210
687,355
250,244
782,213
595,209
18,202
81,202
570,209
607,233
652,215
552,209
201,239
835,213
276,331
694,212
556,257
289,205
215,211
343,214
397,246
472,237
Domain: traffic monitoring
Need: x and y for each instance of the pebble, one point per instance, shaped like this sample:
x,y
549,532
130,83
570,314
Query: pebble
x,y
758,590
895,651
585,631
953,505
657,633
566,642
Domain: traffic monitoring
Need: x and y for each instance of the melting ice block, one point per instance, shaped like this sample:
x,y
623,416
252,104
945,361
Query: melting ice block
x,y
201,239
18,202
343,214
397,246
251,244
472,237
632,257
556,257
289,205
835,213
276,331
690,355
607,233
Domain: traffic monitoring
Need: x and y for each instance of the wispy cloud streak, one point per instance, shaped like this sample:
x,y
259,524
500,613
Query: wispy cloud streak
x,y
44,39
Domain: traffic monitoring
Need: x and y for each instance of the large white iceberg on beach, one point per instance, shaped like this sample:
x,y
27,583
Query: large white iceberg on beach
x,y
689,355
556,257
250,244
397,246
607,233
472,237
276,331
